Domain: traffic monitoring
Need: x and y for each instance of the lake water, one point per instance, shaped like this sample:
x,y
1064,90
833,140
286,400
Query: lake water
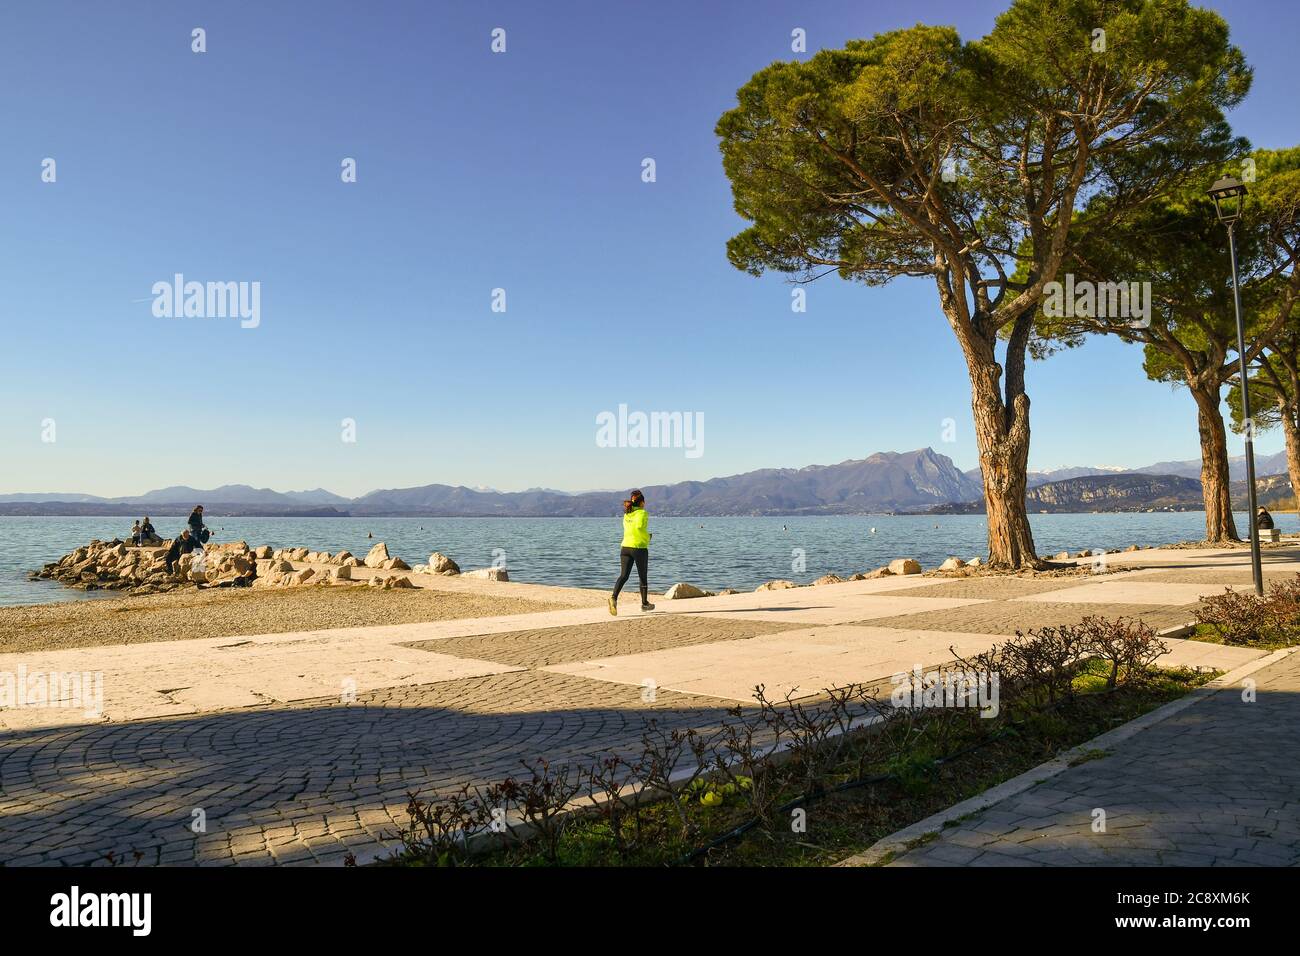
x,y
711,553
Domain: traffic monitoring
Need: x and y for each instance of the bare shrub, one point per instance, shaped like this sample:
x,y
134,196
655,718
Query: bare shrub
x,y
1048,658
671,762
1282,610
1128,645
616,788
543,798
437,830
741,756
1237,617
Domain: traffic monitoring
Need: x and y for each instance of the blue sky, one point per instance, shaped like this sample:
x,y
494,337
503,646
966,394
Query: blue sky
x,y
475,171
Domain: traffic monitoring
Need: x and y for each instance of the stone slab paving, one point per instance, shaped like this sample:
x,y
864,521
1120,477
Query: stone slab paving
x,y
805,663
1007,617
801,663
1132,590
560,645
1216,784
168,678
254,734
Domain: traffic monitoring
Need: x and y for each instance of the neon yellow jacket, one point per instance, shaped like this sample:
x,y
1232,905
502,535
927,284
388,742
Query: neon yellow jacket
x,y
635,534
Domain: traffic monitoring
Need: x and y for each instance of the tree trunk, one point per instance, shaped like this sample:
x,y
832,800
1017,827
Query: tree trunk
x,y
1291,431
1003,441
1215,490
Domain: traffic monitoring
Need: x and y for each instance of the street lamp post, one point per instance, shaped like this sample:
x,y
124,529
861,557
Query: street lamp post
x,y
1228,194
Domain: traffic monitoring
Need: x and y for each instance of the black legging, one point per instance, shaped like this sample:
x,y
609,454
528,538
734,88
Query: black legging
x,y
628,557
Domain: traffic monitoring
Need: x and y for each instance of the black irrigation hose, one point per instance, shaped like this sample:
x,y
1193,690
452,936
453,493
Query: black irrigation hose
x,y
748,825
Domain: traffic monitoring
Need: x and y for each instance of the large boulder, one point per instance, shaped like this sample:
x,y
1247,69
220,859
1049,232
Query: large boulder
x,y
829,579
395,564
389,582
682,590
439,563
904,566
377,555
344,557
952,564
879,573
778,585
488,574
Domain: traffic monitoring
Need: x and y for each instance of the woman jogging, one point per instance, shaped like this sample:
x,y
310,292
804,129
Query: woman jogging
x,y
635,549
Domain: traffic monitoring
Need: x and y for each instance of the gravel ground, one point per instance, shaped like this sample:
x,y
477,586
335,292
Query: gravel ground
x,y
229,612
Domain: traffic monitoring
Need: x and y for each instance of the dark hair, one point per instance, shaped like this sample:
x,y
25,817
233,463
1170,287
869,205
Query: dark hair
x,y
634,500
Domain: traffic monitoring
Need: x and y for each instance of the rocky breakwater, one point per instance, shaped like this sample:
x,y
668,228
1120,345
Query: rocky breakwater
x,y
116,565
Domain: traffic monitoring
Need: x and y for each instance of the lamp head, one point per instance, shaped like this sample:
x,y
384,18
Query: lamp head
x,y
1227,195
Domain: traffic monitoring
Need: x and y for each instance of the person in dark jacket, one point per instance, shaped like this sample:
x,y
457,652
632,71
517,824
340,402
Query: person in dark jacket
x,y
147,534
1263,520
196,526
183,544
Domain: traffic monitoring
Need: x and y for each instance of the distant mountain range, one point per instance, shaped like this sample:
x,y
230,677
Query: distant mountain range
x,y
914,481
1190,468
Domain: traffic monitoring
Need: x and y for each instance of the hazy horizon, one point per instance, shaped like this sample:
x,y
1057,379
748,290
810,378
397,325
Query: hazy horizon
x,y
256,486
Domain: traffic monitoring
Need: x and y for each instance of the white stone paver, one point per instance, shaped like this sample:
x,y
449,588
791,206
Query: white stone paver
x,y
1205,656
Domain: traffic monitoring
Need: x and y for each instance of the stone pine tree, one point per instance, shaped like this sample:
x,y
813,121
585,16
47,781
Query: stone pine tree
x,y
1177,246
1272,215
915,154
1275,397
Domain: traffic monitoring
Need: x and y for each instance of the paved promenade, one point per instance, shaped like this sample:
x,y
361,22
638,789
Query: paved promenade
x,y
301,747
1217,784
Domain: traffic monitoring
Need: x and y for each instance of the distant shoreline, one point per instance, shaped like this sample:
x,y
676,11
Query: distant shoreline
x,y
36,510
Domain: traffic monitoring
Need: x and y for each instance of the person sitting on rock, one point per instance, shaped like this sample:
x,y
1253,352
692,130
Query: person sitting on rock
x,y
183,544
1263,520
135,534
147,534
198,532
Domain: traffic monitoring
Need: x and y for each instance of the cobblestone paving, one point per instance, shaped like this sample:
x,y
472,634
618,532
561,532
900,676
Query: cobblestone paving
x,y
1007,617
564,645
300,784
987,587
1217,784
1208,576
